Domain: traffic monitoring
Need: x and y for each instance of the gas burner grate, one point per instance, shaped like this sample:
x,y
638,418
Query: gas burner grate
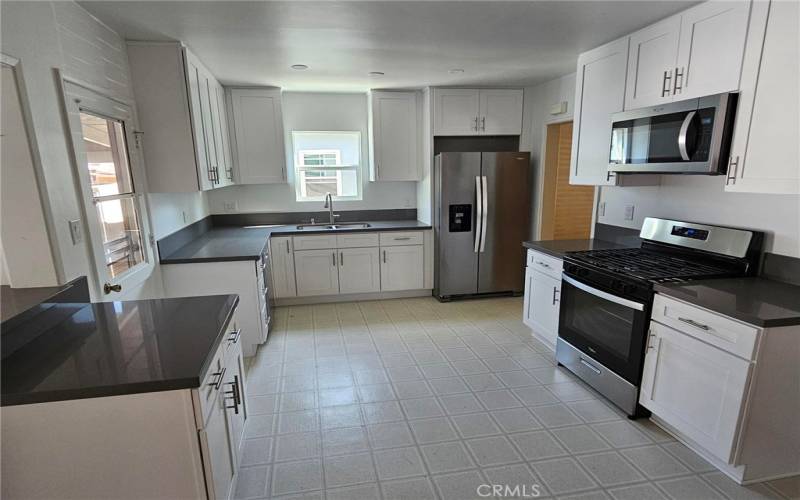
x,y
648,265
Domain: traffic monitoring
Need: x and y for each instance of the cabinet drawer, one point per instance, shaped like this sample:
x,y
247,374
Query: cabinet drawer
x,y
315,242
358,240
397,238
545,263
720,331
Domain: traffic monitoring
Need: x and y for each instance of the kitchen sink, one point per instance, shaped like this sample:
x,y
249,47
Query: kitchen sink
x,y
351,225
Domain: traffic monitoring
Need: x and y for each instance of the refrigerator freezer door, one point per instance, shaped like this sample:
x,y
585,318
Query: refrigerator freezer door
x,y
501,262
456,222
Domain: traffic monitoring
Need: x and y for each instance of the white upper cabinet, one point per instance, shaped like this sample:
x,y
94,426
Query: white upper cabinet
x,y
477,111
178,109
500,111
455,111
710,50
599,92
258,143
695,53
651,63
764,153
224,157
394,121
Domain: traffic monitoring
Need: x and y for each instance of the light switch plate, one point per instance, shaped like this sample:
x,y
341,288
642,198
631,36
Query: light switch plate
x,y
628,212
75,231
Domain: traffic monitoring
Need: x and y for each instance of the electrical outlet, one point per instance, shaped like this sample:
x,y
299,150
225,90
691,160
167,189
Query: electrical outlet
x,y
628,212
230,206
601,210
76,231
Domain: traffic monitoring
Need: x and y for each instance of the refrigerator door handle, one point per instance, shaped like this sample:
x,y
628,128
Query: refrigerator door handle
x,y
479,213
484,212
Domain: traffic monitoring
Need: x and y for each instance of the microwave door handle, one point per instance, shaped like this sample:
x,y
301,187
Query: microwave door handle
x,y
687,122
603,295
478,213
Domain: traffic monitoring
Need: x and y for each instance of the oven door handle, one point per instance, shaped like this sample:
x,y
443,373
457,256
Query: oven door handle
x,y
603,295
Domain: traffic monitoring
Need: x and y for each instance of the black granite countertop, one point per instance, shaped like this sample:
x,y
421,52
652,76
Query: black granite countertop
x,y
557,248
79,350
756,301
247,243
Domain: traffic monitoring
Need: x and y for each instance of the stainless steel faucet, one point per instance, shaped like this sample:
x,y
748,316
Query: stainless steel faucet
x,y
329,206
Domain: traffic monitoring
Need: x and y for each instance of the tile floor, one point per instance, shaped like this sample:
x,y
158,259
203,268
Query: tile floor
x,y
413,399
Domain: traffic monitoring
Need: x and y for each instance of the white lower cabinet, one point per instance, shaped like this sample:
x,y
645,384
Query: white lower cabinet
x,y
542,296
359,270
281,252
694,387
215,442
402,267
316,272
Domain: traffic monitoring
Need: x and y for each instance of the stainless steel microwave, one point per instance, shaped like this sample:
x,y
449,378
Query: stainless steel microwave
x,y
685,137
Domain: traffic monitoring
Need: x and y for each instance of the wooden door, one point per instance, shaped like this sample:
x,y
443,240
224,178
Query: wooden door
x,y
566,209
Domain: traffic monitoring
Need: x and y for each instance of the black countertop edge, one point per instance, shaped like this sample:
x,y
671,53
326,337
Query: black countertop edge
x,y
557,248
231,244
128,388
19,303
756,301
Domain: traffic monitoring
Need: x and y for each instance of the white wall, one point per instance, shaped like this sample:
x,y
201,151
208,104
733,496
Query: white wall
x,y
536,116
703,199
317,111
173,211
61,35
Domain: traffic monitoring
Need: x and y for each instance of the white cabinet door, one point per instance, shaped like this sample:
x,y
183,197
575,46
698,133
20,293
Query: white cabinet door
x,y
215,442
599,92
402,268
711,48
395,130
208,103
764,152
223,145
196,82
694,387
500,111
316,272
258,132
456,112
359,270
282,261
651,64
544,304
234,396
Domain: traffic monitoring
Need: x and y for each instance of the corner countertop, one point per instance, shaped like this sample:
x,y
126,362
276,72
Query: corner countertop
x,y
755,301
81,350
557,248
222,244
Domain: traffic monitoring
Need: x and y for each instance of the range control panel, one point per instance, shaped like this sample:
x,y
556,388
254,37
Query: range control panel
x,y
460,218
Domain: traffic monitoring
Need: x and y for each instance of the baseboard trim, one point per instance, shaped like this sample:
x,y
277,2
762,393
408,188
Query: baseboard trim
x,y
352,297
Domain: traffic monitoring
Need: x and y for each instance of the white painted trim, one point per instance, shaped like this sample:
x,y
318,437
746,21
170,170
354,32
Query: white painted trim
x,y
36,159
351,297
65,78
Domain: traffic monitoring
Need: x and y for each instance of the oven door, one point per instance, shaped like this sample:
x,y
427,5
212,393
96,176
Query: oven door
x,y
606,327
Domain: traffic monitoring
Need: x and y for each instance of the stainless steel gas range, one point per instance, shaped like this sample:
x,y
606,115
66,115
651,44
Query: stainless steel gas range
x,y
607,297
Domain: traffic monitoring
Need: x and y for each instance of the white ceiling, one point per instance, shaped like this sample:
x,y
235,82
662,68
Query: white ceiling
x,y
413,43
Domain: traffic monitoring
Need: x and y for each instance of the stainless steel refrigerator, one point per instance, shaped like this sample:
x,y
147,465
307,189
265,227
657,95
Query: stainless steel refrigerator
x,y
481,217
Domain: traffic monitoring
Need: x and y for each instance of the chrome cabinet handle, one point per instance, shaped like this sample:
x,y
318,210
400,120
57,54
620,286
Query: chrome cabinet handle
x,y
665,86
233,337
233,394
402,239
217,383
483,124
695,324
555,292
333,254
475,128
384,256
287,246
341,259
543,264
650,336
678,86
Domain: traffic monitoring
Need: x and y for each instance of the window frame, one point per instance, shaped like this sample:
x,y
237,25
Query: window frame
x,y
298,168
80,98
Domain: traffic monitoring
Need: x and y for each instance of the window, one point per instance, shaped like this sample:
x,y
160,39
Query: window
x,y
327,162
112,192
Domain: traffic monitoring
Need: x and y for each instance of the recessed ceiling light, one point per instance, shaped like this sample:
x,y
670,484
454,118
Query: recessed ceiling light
x,y
376,73
299,67
456,71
